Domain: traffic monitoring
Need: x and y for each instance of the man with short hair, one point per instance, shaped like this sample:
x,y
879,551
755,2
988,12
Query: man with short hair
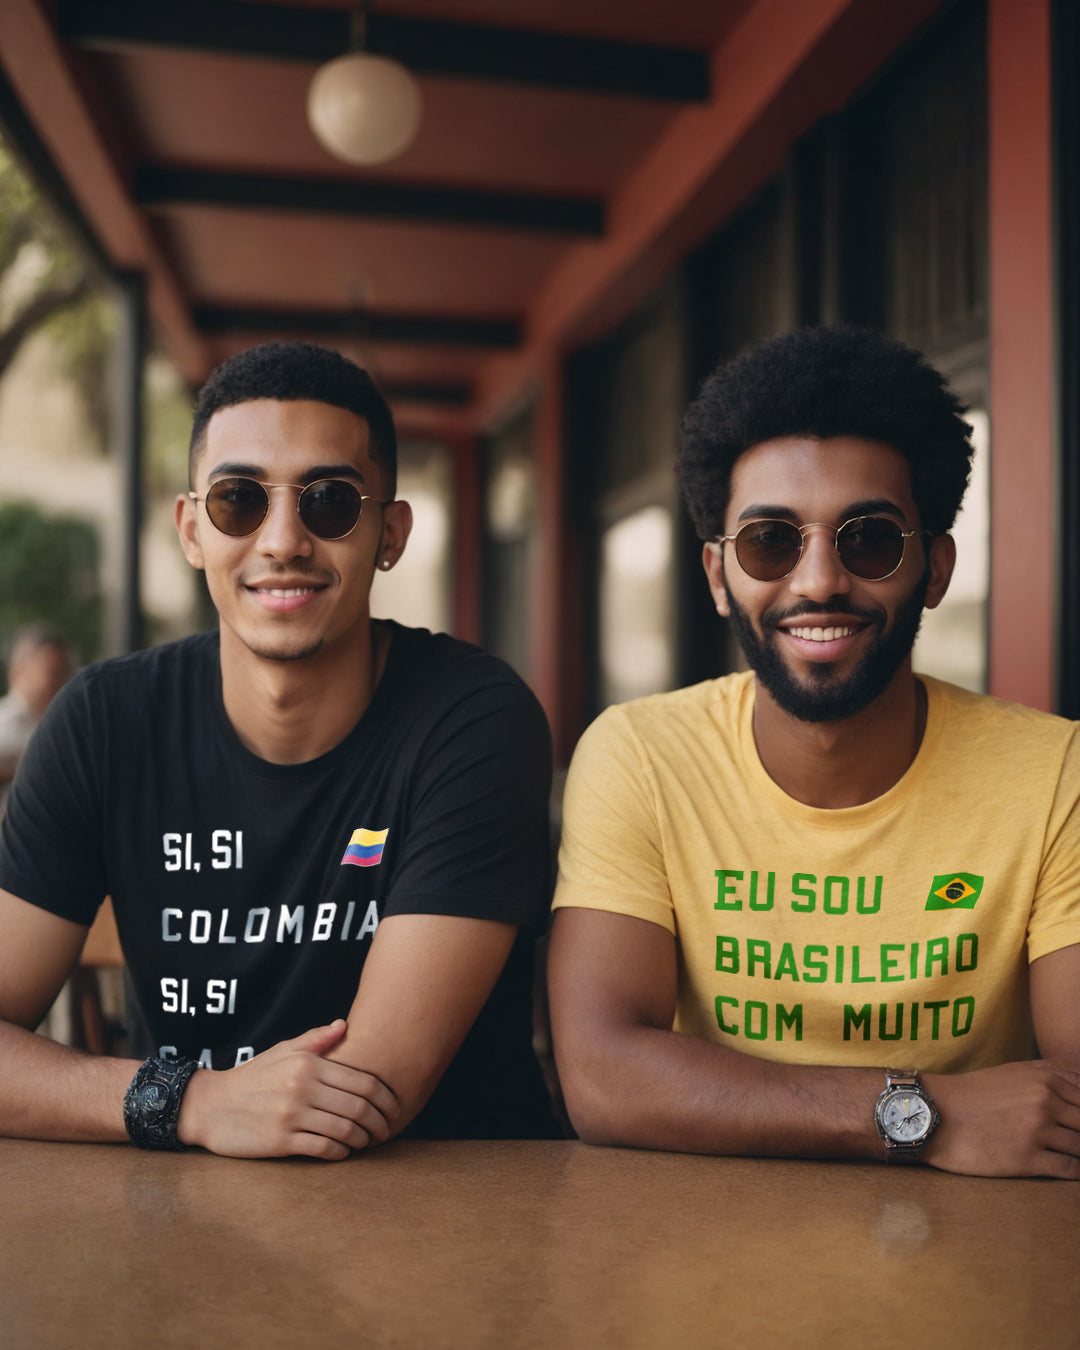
x,y
817,909
324,835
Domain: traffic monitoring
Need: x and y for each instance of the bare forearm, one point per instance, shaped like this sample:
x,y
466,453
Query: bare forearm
x,y
646,1087
49,1091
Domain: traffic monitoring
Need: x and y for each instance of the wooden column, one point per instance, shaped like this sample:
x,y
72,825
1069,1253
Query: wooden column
x,y
1023,504
131,360
468,537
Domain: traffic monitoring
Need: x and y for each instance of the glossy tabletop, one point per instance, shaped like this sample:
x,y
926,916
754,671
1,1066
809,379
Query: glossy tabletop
x,y
522,1244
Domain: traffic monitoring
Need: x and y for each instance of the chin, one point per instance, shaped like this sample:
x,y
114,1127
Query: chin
x,y
284,652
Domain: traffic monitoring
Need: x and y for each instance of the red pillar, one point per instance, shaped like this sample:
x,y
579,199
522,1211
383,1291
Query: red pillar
x,y
1023,509
468,537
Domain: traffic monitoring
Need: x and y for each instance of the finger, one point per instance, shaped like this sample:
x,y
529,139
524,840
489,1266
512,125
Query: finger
x,y
356,1109
1064,1165
335,1127
1062,1139
305,1145
320,1039
359,1083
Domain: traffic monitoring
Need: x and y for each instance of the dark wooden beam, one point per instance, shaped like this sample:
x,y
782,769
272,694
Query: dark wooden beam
x,y
447,393
426,46
157,186
361,326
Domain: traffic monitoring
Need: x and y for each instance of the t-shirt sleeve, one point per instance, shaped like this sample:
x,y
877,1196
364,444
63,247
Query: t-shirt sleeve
x,y
478,842
611,856
1055,911
51,838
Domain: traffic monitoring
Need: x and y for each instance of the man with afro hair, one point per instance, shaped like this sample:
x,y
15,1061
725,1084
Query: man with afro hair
x,y
324,835
825,907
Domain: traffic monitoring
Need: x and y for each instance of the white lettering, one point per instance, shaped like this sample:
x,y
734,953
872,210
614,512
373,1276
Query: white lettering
x,y
290,921
245,1053
250,935
324,921
201,921
222,935
166,934
371,921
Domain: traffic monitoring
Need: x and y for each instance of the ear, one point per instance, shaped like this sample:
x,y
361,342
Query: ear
x,y
712,559
187,527
397,526
942,559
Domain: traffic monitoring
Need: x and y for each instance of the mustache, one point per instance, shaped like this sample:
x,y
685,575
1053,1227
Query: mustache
x,y
807,609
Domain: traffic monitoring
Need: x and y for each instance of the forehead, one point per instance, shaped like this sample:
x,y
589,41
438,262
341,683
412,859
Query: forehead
x,y
284,439
811,479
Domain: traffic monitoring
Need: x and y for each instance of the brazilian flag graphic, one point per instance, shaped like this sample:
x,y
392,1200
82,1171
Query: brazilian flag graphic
x,y
954,890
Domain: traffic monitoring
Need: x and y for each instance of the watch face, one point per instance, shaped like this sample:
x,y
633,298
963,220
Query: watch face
x,y
905,1117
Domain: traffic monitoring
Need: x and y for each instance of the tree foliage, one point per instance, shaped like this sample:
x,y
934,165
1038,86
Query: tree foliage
x,y
45,283
49,569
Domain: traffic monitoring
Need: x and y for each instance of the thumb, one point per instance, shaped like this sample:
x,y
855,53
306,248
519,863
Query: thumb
x,y
319,1039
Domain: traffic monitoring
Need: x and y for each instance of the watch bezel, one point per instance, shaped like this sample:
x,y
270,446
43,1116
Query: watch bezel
x,y
904,1083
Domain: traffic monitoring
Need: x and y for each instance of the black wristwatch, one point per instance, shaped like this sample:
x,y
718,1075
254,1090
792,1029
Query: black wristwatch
x,y
905,1116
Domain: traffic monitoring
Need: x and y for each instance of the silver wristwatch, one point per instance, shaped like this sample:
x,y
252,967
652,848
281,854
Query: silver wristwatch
x,y
905,1116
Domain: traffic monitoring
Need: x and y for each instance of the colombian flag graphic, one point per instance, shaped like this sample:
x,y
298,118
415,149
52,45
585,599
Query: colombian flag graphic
x,y
365,848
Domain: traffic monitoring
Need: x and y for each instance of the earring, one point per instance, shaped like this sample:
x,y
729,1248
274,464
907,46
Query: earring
x,y
385,564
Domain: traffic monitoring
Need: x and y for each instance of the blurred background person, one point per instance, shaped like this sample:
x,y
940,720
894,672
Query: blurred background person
x,y
39,666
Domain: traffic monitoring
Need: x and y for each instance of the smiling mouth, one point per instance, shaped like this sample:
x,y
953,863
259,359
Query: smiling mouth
x,y
830,634
285,593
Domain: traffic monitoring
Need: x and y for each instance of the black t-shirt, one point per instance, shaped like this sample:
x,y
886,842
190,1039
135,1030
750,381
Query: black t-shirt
x,y
247,893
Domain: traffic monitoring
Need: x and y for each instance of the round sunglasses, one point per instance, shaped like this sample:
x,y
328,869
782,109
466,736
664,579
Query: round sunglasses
x,y
330,507
870,547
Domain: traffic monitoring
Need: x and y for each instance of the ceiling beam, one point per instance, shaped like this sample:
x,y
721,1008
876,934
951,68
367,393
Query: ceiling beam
x,y
361,326
158,186
447,393
426,46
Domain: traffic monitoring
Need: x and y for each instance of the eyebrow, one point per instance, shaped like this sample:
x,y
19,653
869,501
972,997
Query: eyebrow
x,y
872,506
230,469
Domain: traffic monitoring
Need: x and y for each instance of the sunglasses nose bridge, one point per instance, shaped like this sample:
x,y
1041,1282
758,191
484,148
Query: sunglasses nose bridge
x,y
281,531
819,572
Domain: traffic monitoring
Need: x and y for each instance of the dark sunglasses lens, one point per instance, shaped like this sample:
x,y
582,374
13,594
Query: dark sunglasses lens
x,y
237,506
768,549
871,547
330,508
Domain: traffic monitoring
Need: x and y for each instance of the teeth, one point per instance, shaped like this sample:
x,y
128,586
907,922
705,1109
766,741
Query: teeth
x,y
821,634
288,595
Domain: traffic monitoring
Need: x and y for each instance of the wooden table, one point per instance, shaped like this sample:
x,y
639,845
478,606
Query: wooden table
x,y
513,1245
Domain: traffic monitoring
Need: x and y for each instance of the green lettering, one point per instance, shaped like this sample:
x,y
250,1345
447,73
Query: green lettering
x,y
727,955
786,964
820,968
861,903
936,1008
884,1033
839,965
758,953
804,891
937,954
915,961
792,1020
770,891
854,1020
914,1021
964,961
889,963
723,890
731,1002
759,1032
856,978
841,906
968,1005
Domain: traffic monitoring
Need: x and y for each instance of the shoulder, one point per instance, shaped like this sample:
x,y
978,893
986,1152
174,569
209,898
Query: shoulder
x,y
996,727
440,673
711,708
121,685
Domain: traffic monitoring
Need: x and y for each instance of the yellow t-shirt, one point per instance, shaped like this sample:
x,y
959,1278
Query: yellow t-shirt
x,y
896,931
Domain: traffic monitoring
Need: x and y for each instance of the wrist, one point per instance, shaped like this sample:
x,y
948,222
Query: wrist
x,y
191,1125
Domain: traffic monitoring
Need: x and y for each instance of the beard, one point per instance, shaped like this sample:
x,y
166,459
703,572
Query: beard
x,y
823,696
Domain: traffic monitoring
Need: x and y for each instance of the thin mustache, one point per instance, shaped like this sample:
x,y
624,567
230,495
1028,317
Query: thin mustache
x,y
772,617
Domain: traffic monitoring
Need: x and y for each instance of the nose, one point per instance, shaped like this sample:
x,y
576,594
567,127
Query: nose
x,y
282,535
820,574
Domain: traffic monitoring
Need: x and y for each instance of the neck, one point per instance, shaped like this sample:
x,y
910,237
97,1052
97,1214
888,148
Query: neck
x,y
287,712
847,763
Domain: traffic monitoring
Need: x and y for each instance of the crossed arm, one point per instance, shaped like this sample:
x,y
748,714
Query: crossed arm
x,y
325,1093
629,1079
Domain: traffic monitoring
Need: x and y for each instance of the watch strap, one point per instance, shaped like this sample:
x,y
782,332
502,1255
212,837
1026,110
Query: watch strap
x,y
152,1102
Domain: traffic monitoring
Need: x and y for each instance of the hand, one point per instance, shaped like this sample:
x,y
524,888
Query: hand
x,y
1014,1120
288,1100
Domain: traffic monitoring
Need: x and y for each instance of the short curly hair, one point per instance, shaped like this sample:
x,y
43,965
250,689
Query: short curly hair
x,y
291,371
826,382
